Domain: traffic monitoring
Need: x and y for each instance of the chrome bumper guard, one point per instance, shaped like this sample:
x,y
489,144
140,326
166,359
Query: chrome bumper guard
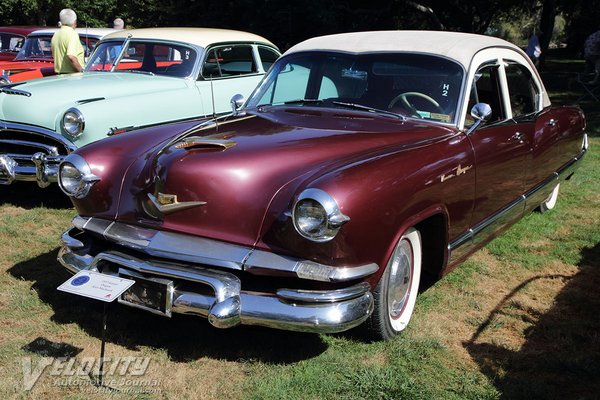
x,y
219,296
41,164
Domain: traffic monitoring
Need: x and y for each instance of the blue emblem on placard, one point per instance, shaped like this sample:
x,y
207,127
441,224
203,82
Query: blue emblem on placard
x,y
80,280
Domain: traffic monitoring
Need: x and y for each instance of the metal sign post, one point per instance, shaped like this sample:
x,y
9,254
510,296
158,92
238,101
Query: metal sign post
x,y
106,288
102,344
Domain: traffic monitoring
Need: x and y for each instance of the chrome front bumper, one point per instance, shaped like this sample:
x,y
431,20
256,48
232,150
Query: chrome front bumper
x,y
40,151
217,295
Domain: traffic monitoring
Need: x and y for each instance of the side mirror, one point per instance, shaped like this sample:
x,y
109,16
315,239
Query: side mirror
x,y
237,101
481,112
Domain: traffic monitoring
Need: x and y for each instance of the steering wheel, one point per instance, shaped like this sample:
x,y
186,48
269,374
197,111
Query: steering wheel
x,y
403,98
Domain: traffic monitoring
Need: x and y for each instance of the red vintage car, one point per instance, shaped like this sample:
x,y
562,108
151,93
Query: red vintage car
x,y
12,39
34,59
363,164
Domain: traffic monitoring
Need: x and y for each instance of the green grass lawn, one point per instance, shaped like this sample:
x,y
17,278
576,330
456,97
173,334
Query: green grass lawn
x,y
517,320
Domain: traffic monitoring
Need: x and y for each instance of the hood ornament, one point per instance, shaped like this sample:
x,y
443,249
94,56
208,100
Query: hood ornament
x,y
167,203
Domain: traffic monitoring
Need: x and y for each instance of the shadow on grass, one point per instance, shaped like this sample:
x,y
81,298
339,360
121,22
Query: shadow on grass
x,y
561,355
28,195
184,338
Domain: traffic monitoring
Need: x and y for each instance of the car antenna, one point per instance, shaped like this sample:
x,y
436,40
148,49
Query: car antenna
x,y
212,95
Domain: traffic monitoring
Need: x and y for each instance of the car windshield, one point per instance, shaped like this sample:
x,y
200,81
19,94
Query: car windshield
x,y
412,85
36,47
39,46
149,57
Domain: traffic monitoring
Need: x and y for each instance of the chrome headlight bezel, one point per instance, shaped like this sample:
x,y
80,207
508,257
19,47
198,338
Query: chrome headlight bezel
x,y
326,220
75,168
73,123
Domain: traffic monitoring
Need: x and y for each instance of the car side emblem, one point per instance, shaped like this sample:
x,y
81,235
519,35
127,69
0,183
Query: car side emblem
x,y
459,171
167,203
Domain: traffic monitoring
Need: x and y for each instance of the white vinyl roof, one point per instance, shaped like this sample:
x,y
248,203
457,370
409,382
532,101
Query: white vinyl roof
x,y
454,45
202,37
97,32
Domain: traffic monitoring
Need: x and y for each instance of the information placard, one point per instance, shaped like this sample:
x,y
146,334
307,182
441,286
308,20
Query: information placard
x,y
96,285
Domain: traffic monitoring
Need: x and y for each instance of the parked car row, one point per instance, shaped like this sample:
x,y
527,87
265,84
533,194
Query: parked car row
x,y
34,59
360,165
133,78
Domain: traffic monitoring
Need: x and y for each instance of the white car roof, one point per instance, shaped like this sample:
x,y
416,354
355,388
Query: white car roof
x,y
97,32
454,45
202,37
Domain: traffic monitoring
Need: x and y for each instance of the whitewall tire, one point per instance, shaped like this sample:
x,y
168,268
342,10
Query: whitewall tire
x,y
396,293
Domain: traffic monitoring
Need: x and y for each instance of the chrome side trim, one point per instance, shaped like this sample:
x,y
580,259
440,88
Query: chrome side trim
x,y
463,243
199,250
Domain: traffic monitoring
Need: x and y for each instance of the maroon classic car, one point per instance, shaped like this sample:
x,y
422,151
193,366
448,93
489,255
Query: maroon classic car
x,y
362,164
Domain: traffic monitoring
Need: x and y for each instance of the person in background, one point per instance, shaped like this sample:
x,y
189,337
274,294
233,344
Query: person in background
x,y
67,50
534,50
118,23
591,54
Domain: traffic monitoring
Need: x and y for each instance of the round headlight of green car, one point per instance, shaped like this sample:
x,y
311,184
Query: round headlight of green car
x,y
75,176
316,216
73,123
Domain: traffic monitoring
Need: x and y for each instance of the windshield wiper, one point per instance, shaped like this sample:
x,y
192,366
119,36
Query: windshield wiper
x,y
303,101
369,109
137,71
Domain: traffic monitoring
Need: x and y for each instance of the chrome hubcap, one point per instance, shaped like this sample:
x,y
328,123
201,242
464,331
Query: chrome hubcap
x,y
400,278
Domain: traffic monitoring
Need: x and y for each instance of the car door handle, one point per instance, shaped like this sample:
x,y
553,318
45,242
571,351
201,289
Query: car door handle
x,y
552,122
518,137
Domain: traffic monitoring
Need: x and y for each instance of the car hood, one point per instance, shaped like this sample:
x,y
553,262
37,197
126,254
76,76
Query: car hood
x,y
229,173
50,97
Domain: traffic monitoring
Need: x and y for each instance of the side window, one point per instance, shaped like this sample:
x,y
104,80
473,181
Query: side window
x,y
88,44
267,57
522,89
227,61
291,83
486,89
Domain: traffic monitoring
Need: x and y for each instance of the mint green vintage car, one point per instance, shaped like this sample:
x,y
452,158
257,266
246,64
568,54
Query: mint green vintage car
x,y
133,78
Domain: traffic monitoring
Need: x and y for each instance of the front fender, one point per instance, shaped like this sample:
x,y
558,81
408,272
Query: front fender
x,y
383,195
133,111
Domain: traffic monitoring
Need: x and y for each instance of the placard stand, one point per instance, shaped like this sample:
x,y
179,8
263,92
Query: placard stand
x,y
102,345
106,288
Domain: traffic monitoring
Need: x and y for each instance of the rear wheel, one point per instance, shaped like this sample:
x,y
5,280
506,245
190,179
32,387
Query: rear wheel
x,y
550,202
396,293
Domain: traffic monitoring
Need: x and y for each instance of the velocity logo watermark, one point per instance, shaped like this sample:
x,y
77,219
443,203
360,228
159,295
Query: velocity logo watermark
x,y
125,372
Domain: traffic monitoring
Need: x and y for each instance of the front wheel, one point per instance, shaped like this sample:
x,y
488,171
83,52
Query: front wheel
x,y
396,293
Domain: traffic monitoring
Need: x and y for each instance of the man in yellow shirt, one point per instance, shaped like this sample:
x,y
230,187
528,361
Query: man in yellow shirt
x,y
67,50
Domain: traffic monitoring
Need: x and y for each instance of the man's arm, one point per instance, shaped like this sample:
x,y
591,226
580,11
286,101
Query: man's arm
x,y
75,63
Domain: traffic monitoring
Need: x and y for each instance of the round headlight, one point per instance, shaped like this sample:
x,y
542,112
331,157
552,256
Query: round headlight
x,y
317,216
75,177
73,123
